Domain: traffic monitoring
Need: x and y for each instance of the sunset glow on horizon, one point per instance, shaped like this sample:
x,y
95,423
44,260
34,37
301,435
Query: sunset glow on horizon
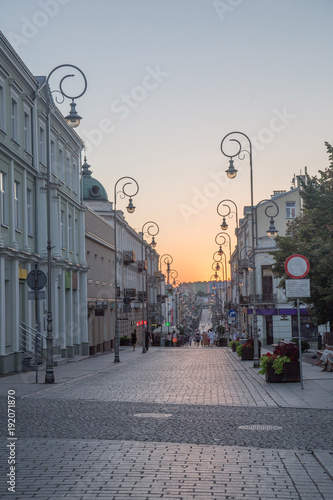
x,y
168,80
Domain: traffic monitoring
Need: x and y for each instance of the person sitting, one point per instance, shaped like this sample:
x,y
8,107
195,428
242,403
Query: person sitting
x,y
327,359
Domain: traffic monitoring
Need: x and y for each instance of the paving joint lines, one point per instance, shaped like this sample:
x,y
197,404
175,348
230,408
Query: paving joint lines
x,y
86,468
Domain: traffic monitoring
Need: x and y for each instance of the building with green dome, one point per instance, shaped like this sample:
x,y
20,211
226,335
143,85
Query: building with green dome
x,y
100,256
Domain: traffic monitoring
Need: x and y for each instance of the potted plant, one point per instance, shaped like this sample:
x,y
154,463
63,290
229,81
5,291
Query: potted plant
x,y
282,365
233,345
304,344
124,340
246,351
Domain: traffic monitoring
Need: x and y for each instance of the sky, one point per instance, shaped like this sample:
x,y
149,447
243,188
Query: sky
x,y
168,79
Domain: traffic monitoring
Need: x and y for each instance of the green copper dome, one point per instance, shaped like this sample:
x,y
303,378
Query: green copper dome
x,y
92,189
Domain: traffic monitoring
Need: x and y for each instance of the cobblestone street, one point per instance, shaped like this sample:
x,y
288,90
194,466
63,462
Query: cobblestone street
x,y
176,423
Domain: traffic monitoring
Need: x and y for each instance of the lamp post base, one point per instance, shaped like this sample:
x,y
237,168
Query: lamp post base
x,y
256,363
49,377
143,349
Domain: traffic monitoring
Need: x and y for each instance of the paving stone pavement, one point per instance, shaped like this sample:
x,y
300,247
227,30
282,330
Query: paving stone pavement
x,y
166,424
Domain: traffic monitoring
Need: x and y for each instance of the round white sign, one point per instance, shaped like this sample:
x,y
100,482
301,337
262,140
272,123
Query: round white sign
x,y
297,266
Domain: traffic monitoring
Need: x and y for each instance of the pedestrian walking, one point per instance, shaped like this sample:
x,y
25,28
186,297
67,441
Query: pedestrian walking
x,y
147,339
133,339
174,338
211,336
206,339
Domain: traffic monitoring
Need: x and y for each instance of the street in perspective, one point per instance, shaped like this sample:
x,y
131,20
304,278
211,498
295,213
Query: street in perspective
x,y
178,423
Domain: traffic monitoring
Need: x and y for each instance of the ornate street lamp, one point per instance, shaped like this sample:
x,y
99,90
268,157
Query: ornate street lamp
x,y
231,173
152,230
166,259
217,256
73,120
227,212
126,181
223,235
271,231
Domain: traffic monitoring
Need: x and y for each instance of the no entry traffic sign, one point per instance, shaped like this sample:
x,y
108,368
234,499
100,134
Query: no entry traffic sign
x,y
297,266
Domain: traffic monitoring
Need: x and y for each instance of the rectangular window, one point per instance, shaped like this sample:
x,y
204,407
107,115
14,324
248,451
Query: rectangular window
x,y
2,108
3,198
52,151
267,283
17,205
75,179
29,212
68,172
14,119
27,132
60,164
76,229
62,229
290,210
70,234
42,145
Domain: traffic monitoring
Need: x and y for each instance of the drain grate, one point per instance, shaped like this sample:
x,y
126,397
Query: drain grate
x,y
152,415
258,427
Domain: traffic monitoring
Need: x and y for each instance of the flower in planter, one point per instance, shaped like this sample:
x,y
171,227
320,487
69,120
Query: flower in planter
x,y
247,350
250,344
283,354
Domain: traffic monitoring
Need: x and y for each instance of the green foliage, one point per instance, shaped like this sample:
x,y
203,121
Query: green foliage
x,y
305,346
277,362
233,344
311,235
264,360
239,349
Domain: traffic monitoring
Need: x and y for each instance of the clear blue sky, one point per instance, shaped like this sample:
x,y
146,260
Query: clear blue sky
x,y
168,79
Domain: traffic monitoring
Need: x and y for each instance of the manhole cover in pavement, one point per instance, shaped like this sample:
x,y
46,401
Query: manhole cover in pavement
x,y
152,415
257,427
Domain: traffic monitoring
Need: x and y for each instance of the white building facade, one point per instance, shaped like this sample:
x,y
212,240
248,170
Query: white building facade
x,y
137,271
23,228
277,318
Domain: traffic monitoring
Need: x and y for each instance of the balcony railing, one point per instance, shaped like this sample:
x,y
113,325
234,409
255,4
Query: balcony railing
x,y
142,296
129,257
265,298
130,293
142,265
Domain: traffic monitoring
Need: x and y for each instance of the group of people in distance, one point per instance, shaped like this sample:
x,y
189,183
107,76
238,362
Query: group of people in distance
x,y
134,339
205,339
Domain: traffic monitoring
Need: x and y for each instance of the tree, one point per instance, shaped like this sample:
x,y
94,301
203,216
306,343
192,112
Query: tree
x,y
311,234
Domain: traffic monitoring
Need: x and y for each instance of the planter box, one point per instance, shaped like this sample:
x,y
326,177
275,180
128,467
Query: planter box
x,y
223,342
291,373
247,354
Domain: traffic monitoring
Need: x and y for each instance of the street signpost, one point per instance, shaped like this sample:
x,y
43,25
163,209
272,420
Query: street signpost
x,y
231,316
297,288
36,280
297,267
